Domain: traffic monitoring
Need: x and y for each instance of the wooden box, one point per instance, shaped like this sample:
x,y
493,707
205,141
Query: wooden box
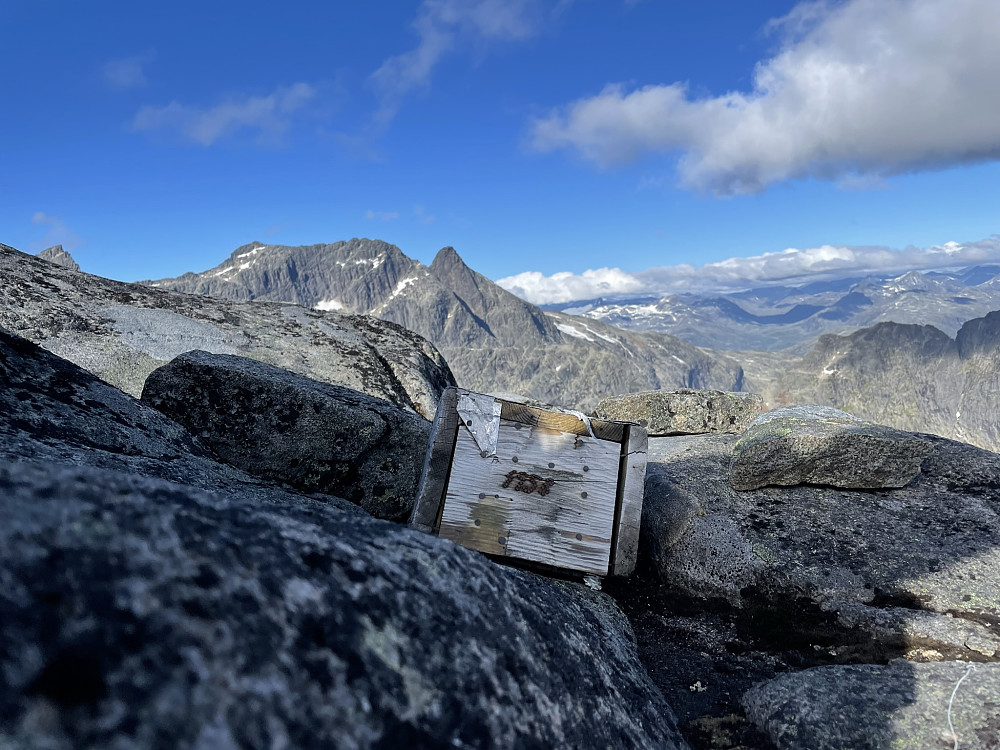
x,y
548,489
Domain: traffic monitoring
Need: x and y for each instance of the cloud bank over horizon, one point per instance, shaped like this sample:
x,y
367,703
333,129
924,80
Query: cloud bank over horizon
x,y
790,267
858,89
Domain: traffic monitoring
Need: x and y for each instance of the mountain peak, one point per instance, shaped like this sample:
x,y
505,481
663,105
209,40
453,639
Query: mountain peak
x,y
60,257
447,260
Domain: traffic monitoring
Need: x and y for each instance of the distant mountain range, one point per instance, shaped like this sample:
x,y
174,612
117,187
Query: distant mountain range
x,y
782,317
930,363
492,340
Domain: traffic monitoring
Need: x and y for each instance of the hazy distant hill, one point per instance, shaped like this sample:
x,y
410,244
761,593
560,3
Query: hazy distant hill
x,y
914,377
782,317
491,339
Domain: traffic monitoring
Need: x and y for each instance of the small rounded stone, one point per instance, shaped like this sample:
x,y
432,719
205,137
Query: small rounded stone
x,y
514,459
551,465
478,522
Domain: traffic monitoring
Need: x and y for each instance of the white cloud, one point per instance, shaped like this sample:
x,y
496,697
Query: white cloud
x,y
422,216
381,215
56,233
790,266
566,286
268,116
441,25
128,72
861,87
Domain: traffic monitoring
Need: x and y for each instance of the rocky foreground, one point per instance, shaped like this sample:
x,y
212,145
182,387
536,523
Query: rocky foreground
x,y
221,564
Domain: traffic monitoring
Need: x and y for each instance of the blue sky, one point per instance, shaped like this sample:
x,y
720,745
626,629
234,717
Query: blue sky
x,y
154,138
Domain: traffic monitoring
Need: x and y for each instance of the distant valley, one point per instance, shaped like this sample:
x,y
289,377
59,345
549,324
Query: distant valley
x,y
774,318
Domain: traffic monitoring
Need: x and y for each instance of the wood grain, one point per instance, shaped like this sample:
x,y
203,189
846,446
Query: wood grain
x,y
629,506
437,464
569,527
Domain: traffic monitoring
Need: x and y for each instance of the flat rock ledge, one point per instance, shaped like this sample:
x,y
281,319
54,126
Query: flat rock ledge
x,y
824,446
901,705
683,412
279,426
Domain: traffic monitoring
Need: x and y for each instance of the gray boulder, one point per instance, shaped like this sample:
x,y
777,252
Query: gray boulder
x,y
145,613
902,705
53,411
734,588
122,332
884,573
283,427
60,257
821,445
683,412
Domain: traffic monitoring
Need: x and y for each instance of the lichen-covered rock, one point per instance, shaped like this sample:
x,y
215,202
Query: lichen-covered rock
x,y
280,426
53,411
139,612
822,445
854,560
145,613
683,412
122,332
902,705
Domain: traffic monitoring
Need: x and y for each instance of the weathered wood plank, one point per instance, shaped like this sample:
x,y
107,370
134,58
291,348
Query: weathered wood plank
x,y
437,464
629,506
505,505
554,420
